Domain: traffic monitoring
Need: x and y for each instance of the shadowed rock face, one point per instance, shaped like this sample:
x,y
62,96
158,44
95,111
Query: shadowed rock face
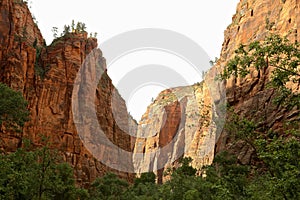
x,y
183,121
45,76
249,97
180,122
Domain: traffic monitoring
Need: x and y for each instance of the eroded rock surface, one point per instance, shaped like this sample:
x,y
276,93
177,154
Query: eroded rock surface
x,y
45,76
249,97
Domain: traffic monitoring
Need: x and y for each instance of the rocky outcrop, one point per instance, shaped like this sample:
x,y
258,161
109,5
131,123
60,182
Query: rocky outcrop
x,y
18,33
254,19
180,122
250,97
184,121
45,76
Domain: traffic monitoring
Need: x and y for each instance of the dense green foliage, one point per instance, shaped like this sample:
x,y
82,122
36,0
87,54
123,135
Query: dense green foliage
x,y
36,174
274,174
278,152
108,187
75,28
13,108
275,52
277,178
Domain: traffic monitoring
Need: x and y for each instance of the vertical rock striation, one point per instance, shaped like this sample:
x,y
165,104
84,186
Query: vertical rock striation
x,y
184,121
180,122
45,76
249,97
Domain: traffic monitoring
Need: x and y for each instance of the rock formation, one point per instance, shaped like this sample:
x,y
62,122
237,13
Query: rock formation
x,y
45,76
184,121
180,122
249,97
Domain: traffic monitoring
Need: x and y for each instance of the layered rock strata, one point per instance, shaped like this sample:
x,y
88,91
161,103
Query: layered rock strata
x,y
45,75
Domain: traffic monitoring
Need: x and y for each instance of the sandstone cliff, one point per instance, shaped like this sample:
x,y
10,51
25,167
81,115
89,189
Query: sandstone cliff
x,y
249,97
180,122
45,76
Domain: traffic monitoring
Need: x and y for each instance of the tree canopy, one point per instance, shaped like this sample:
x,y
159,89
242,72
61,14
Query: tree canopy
x,y
37,174
13,108
276,52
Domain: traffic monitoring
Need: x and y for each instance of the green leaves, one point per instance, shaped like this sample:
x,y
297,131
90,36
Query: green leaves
x,y
37,174
274,52
277,159
13,108
185,169
282,158
275,175
147,177
108,187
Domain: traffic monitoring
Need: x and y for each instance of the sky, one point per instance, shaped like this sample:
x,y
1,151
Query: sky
x,y
203,22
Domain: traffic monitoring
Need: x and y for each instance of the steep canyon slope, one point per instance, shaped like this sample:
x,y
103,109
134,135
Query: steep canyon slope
x,y
249,97
184,121
45,75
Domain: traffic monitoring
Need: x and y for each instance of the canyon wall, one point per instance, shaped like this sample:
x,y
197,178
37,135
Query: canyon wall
x,y
183,121
163,130
45,75
249,97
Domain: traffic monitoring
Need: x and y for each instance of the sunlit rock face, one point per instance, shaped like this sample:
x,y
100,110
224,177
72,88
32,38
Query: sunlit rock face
x,y
184,121
45,76
178,120
250,97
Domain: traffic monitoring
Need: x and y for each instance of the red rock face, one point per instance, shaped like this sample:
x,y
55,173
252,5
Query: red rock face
x,y
46,81
178,123
249,96
180,120
17,54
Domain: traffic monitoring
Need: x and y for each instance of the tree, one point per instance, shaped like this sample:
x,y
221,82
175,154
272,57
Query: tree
x,y
13,108
281,157
55,32
181,180
143,188
66,30
108,187
37,174
147,177
78,27
83,27
213,62
186,169
275,52
278,152
73,26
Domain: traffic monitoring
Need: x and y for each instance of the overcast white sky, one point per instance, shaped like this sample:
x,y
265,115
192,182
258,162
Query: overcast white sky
x,y
202,21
